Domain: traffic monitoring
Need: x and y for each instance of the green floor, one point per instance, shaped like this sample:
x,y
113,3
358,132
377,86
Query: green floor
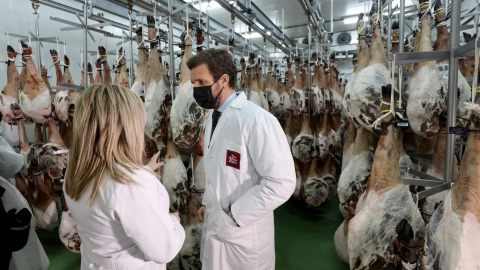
x,y
304,239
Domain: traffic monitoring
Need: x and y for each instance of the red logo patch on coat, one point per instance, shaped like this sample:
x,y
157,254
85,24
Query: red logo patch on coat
x,y
233,159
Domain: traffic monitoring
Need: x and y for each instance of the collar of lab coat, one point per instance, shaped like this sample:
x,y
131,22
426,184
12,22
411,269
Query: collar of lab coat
x,y
237,103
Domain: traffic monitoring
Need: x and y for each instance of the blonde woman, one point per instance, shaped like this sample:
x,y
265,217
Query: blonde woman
x,y
121,208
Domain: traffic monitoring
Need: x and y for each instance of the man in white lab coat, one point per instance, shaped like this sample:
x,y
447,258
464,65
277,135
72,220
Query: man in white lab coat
x,y
249,169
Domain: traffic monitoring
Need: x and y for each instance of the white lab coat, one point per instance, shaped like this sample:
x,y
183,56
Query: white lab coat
x,y
128,226
263,180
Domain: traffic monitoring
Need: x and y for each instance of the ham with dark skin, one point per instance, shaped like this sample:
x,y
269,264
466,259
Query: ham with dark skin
x,y
98,76
156,93
122,78
106,69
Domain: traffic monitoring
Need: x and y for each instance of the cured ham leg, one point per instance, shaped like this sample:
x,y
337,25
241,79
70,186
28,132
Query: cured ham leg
x,y
98,76
284,91
348,146
297,94
428,92
155,93
67,76
387,224
46,81
261,87
9,95
443,43
122,79
187,117
366,93
90,74
302,148
454,229
436,168
325,139
138,86
23,73
106,69
175,179
61,101
315,189
34,100
45,208
255,94
68,230
190,252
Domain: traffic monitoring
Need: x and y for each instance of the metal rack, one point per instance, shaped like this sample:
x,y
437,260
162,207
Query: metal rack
x,y
437,185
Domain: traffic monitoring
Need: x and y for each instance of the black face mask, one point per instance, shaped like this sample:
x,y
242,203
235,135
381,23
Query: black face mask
x,y
204,97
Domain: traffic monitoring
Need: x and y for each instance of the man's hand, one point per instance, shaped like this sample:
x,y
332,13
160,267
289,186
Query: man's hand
x,y
176,215
201,213
154,164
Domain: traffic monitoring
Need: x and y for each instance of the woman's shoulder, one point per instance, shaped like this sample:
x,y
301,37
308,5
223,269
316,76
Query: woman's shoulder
x,y
144,183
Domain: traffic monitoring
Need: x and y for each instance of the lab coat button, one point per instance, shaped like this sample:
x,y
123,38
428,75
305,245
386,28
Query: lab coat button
x,y
209,207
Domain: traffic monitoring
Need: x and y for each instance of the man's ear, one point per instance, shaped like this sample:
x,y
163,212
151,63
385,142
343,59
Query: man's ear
x,y
226,79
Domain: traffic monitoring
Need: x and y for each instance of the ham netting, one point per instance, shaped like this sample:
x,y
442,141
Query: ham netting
x,y
372,230
353,180
68,232
154,99
255,98
5,108
341,242
302,147
62,103
39,109
186,118
264,100
427,96
452,244
285,102
346,102
318,101
175,181
366,95
139,88
51,162
465,95
297,101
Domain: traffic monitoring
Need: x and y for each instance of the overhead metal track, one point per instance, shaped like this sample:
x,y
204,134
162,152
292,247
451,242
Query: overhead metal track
x,y
313,14
251,9
248,20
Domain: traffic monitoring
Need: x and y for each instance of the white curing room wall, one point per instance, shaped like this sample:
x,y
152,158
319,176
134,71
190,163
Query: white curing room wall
x,y
18,18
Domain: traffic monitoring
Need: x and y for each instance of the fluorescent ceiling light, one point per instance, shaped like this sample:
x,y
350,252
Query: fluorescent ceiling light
x,y
351,20
252,35
269,33
213,5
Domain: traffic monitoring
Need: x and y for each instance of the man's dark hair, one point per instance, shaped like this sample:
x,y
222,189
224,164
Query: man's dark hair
x,y
219,62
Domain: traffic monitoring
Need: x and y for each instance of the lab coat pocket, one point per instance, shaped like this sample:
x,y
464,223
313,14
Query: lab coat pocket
x,y
230,232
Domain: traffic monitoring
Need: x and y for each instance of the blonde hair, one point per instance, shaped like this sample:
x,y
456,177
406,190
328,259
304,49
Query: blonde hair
x,y
108,138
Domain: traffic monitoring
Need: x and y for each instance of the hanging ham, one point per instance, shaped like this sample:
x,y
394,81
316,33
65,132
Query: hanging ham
x,y
34,100
187,118
9,94
155,92
427,93
62,98
138,86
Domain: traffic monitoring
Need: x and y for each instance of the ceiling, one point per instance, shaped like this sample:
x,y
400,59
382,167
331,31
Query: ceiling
x,y
295,21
